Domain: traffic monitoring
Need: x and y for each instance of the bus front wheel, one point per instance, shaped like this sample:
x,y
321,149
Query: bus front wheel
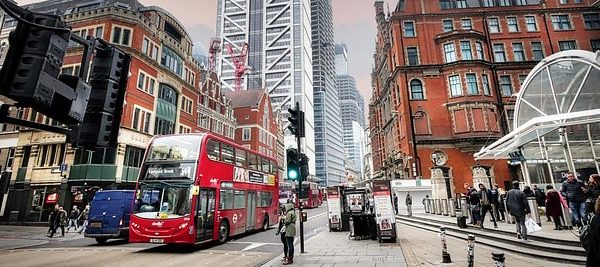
x,y
223,232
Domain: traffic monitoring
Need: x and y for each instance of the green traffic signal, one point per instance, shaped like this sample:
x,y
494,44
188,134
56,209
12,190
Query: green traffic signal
x,y
292,174
293,168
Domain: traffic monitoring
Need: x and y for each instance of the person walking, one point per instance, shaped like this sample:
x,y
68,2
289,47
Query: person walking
x,y
83,219
395,203
52,220
572,189
528,192
540,198
409,204
60,221
281,233
485,196
73,219
593,192
290,232
516,204
475,205
593,252
425,202
553,206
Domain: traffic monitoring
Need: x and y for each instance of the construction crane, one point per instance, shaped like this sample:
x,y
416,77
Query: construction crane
x,y
239,62
215,47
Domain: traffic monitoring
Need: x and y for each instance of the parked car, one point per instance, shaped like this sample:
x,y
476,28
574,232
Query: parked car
x,y
109,215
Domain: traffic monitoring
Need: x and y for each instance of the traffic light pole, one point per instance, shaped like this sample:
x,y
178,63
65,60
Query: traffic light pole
x,y
301,177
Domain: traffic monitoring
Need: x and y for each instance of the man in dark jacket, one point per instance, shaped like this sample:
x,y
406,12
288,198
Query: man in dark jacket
x,y
52,220
572,189
485,196
540,198
516,204
593,252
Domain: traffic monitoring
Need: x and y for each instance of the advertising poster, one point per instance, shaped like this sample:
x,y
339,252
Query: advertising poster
x,y
384,210
334,208
355,202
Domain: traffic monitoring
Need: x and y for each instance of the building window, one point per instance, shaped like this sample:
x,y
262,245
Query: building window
x,y
567,45
521,80
461,3
506,85
479,51
146,83
531,23
503,2
488,3
184,129
494,25
466,24
413,57
416,90
465,49
141,120
186,104
448,25
246,134
564,2
150,48
518,51
121,35
449,52
409,29
189,76
595,45
134,156
172,61
472,88
538,52
499,55
561,22
10,159
50,155
455,85
486,84
592,21
71,70
513,24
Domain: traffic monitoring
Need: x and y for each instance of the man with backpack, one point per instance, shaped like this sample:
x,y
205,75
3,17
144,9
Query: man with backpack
x,y
590,238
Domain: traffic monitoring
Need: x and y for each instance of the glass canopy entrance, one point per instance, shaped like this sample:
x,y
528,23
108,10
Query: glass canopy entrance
x,y
557,119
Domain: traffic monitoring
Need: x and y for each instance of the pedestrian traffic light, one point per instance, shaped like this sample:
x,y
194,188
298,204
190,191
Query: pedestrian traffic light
x,y
293,168
304,166
296,120
30,73
108,80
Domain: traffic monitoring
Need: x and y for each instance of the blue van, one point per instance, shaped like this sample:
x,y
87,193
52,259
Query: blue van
x,y
109,215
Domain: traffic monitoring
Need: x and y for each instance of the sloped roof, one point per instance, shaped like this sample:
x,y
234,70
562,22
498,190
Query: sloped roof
x,y
245,98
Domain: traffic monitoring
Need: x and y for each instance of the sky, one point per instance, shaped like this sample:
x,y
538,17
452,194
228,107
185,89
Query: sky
x,y
354,23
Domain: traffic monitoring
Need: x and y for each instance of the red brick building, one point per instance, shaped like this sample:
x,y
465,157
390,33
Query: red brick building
x,y
446,75
257,126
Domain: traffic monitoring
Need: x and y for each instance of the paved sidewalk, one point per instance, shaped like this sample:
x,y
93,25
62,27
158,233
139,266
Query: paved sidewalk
x,y
547,227
14,237
335,249
424,248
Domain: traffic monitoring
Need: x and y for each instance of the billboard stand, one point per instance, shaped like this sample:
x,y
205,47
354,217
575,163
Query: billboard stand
x,y
384,211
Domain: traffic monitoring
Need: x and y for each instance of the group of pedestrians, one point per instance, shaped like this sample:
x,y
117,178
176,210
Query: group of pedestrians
x,y
483,201
59,219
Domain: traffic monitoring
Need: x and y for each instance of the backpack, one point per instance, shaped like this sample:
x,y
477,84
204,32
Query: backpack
x,y
585,236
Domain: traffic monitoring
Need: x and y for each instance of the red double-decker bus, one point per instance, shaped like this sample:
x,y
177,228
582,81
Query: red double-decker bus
x,y
310,195
200,187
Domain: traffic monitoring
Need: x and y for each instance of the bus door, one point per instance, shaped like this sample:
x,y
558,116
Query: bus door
x,y
251,211
205,214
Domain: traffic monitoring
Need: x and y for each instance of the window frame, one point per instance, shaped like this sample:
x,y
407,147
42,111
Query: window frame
x,y
471,82
462,24
509,84
122,29
522,56
414,28
528,24
444,25
497,52
413,93
452,52
457,85
561,23
496,25
515,25
416,56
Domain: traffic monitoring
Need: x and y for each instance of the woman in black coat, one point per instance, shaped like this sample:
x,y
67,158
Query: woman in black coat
x,y
593,253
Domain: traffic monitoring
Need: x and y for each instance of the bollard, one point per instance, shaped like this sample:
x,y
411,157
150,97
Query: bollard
x,y
464,208
445,255
433,207
533,207
452,207
470,250
498,258
425,206
445,207
438,203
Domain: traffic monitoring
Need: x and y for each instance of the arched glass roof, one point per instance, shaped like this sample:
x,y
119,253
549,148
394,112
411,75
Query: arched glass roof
x,y
563,89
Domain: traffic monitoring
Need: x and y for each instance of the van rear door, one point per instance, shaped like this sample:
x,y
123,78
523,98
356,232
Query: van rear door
x,y
106,212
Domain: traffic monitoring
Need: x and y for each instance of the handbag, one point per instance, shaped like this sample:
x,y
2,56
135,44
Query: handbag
x,y
531,226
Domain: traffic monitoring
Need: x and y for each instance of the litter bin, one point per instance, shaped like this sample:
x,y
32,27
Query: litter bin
x,y
535,213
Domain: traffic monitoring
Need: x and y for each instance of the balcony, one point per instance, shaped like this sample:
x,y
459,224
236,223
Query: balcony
x,y
130,174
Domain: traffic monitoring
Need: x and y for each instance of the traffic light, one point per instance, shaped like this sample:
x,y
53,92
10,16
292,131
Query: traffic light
x,y
296,120
108,80
30,74
293,167
304,166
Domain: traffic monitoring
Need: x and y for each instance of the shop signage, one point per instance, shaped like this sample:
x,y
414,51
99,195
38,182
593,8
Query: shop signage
x,y
52,198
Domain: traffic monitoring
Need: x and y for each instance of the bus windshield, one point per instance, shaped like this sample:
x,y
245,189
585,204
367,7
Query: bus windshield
x,y
163,200
175,148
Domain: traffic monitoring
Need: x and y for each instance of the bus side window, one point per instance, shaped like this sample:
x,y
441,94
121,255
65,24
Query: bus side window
x,y
227,153
240,158
226,199
266,167
212,149
239,199
273,167
253,161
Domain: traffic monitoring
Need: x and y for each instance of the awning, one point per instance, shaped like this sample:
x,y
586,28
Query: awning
x,y
532,130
